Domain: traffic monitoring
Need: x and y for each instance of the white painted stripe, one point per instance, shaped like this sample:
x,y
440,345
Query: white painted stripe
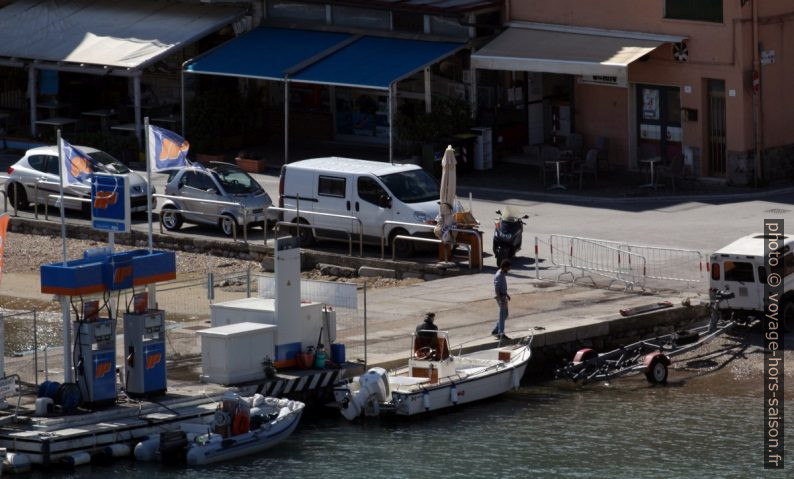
x,y
289,386
276,388
315,379
301,382
327,378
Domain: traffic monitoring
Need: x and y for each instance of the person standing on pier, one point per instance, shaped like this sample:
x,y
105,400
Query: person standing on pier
x,y
500,288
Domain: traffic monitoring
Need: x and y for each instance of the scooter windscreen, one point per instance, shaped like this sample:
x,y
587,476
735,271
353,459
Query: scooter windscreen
x,y
508,228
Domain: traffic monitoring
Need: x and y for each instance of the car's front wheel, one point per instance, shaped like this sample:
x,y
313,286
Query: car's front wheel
x,y
171,219
228,225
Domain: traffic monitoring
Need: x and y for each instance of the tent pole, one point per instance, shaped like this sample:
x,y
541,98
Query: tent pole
x,y
286,120
32,96
391,123
136,94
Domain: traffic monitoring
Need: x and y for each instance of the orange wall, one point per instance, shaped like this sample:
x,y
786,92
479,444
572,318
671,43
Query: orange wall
x,y
603,111
716,50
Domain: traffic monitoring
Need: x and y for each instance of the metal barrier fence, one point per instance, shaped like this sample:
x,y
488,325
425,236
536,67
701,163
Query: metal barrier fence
x,y
623,262
299,212
592,257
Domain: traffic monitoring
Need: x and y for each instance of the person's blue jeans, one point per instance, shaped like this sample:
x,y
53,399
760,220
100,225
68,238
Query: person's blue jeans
x,y
500,324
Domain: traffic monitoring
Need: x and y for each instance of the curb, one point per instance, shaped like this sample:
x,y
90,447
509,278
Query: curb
x,y
552,197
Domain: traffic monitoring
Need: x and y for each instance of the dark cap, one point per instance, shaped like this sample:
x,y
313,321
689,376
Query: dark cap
x,y
430,317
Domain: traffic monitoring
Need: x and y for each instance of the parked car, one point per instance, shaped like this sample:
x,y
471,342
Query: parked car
x,y
36,176
372,191
219,182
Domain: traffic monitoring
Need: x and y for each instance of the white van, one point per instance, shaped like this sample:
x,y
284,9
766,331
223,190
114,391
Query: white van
x,y
740,268
371,191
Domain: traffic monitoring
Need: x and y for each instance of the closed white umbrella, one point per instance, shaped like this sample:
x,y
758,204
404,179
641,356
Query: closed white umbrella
x,y
448,187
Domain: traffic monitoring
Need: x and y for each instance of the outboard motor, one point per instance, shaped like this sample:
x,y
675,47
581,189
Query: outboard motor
x,y
373,390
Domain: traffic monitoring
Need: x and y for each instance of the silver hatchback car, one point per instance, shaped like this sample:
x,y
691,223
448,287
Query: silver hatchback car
x,y
35,178
221,194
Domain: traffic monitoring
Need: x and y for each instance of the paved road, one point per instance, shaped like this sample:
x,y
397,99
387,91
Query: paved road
x,y
704,224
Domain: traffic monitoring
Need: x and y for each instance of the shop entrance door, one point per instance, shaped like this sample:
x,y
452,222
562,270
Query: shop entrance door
x,y
659,122
716,127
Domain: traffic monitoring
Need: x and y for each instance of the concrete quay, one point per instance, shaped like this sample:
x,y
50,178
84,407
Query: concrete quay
x,y
573,316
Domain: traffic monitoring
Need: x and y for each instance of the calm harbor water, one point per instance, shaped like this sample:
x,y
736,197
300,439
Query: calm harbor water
x,y
708,426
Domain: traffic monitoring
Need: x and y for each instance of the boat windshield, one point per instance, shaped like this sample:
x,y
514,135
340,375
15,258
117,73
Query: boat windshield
x,y
412,186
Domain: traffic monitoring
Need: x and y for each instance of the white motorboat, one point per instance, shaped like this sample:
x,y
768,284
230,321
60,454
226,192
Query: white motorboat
x,y
240,426
434,379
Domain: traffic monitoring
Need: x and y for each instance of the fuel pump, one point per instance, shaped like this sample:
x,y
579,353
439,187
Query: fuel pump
x,y
144,343
95,356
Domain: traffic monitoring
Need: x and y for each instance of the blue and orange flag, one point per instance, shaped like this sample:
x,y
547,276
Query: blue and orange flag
x,y
166,149
77,166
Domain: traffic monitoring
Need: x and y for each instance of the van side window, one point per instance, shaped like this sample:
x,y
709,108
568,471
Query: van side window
x,y
331,186
370,191
739,271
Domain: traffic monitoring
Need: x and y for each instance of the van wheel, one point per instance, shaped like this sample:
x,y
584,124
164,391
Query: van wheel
x,y
403,248
17,196
788,316
171,219
305,235
228,225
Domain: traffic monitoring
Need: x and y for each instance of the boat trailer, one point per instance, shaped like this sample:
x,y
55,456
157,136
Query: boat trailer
x,y
650,356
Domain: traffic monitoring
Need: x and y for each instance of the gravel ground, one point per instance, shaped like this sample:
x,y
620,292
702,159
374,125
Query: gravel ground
x,y
25,253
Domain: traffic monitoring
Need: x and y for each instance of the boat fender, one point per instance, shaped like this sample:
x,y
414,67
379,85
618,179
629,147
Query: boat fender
x,y
16,462
257,400
426,400
453,394
117,450
146,450
77,459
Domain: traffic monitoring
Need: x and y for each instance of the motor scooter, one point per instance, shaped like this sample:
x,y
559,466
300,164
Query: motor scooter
x,y
507,234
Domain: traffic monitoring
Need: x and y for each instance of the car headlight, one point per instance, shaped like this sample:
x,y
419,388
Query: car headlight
x,y
420,216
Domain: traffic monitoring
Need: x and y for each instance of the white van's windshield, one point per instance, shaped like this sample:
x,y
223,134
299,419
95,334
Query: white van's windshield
x,y
413,186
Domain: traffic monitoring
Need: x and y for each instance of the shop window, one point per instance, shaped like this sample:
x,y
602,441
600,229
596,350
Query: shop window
x,y
701,10
287,10
331,186
361,17
408,22
739,271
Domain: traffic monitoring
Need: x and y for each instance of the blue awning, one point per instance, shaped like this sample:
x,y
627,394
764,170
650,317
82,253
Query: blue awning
x,y
265,53
375,62
322,57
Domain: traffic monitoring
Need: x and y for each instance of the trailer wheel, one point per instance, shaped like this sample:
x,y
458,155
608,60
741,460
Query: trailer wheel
x,y
657,371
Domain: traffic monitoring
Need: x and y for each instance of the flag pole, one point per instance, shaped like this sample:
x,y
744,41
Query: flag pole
x,y
152,288
148,179
60,184
65,313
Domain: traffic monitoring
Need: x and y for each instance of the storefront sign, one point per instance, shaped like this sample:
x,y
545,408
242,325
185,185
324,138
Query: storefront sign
x,y
767,57
608,80
650,104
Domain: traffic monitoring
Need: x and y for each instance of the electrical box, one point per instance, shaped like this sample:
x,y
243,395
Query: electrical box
x,y
144,349
297,328
234,353
95,360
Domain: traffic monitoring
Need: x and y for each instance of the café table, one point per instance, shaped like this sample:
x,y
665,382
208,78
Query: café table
x,y
557,164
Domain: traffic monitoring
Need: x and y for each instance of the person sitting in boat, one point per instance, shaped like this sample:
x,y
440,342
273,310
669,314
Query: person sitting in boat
x,y
426,341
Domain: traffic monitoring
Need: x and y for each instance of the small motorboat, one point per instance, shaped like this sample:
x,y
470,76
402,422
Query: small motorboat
x,y
240,426
434,379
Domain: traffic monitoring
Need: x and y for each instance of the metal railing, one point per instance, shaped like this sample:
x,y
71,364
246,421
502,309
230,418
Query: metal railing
x,y
298,214
289,224
429,240
47,204
420,239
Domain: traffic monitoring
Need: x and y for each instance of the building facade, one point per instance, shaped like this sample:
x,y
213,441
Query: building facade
x,y
685,79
